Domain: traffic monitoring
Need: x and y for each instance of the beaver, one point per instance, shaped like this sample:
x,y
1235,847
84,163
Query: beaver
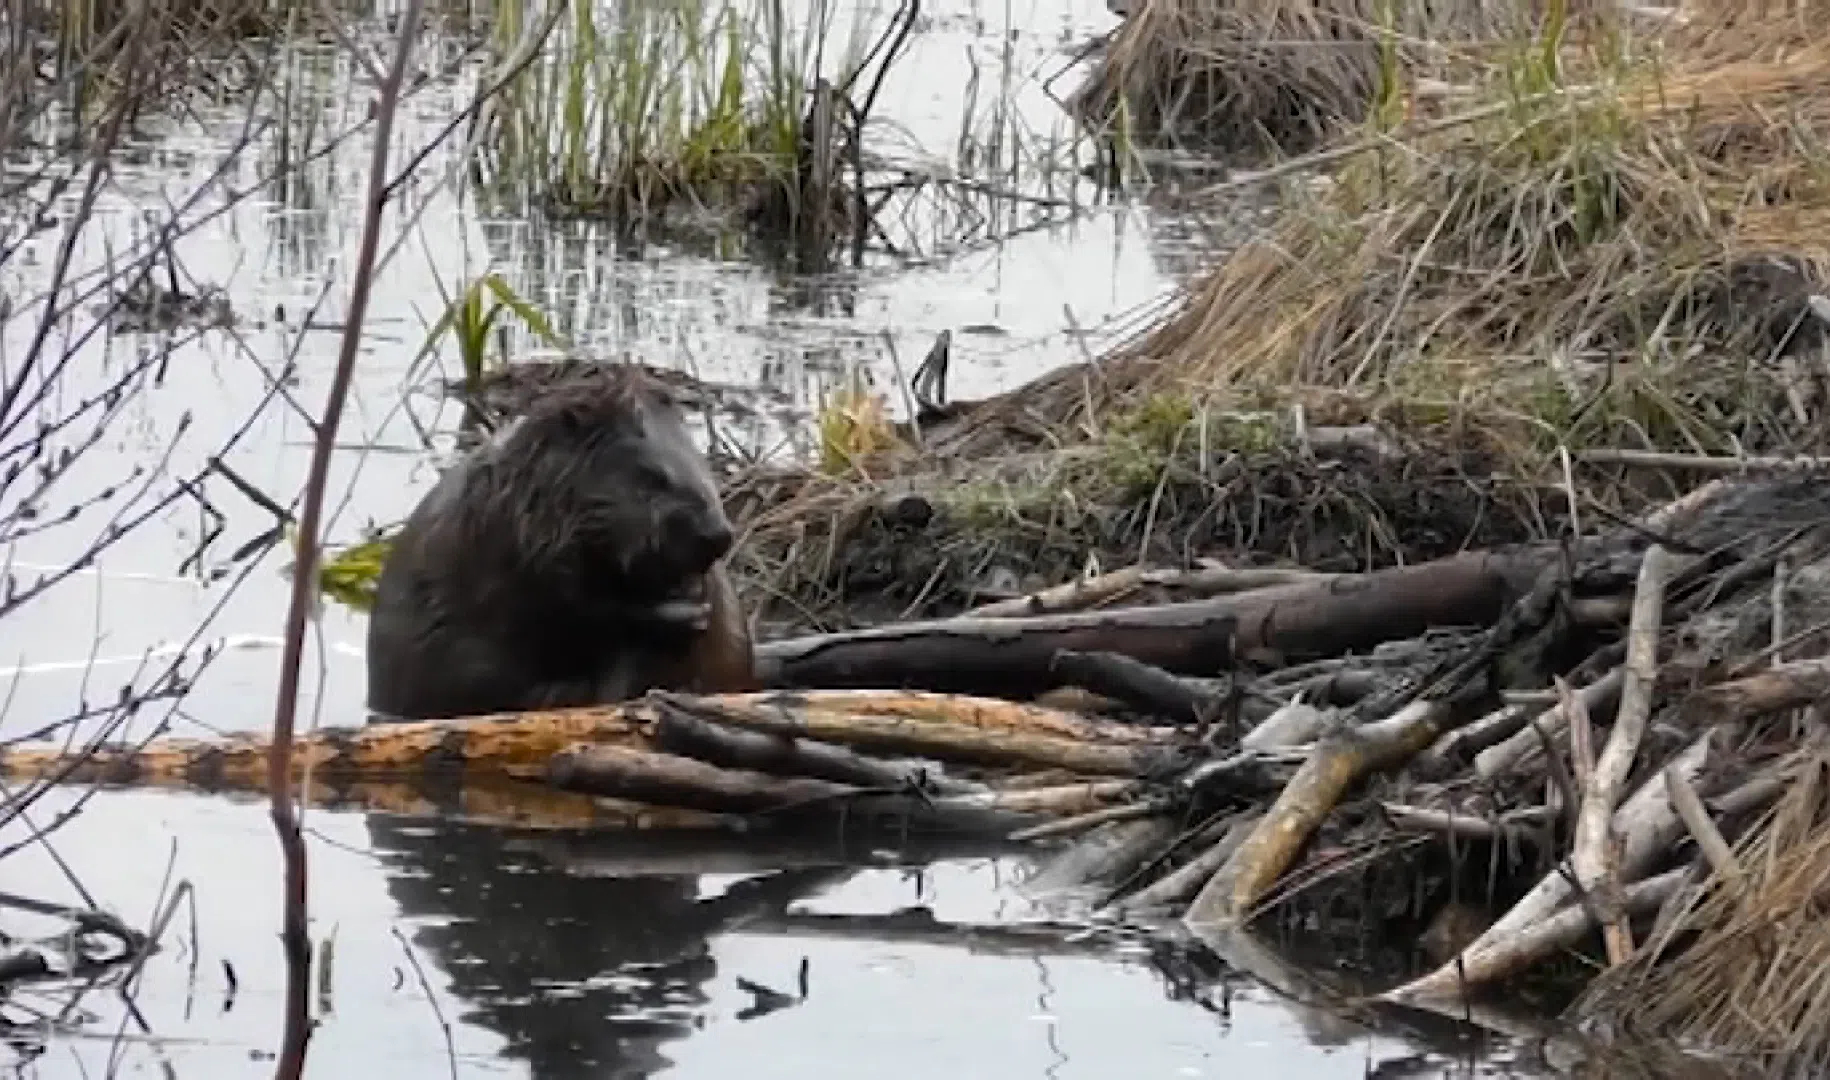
x,y
576,558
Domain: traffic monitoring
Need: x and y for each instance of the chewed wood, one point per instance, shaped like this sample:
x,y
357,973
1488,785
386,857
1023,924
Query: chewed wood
x,y
505,746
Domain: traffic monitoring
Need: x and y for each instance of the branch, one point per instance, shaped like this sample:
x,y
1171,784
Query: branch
x,y
305,570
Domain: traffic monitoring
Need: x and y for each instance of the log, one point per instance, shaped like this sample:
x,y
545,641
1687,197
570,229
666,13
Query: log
x,y
1010,657
1522,747
1337,762
988,713
690,736
664,779
919,738
1780,687
502,746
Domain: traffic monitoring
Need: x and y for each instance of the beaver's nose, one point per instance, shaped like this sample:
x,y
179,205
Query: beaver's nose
x,y
703,538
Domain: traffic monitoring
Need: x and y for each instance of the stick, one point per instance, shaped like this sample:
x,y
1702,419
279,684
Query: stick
x,y
1080,823
1590,856
1709,839
1522,747
1137,684
1082,594
679,732
1653,459
1336,763
1780,687
1177,886
294,933
667,780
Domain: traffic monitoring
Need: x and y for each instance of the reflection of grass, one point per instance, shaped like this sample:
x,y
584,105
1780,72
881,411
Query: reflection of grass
x,y
664,100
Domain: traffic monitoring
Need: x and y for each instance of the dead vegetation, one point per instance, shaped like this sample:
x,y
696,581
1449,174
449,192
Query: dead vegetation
x,y
1257,77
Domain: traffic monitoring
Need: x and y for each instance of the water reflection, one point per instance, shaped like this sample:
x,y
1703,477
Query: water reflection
x,y
588,954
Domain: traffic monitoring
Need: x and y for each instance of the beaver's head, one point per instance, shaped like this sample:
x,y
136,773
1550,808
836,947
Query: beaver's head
x,y
603,478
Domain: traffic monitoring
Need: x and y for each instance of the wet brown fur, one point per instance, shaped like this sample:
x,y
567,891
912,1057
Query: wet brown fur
x,y
575,559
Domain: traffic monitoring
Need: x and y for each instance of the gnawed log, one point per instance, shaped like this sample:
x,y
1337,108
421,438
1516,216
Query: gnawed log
x,y
1010,657
919,738
506,745
1336,763
668,780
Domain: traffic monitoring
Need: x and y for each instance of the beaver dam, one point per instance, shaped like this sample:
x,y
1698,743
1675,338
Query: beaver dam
x,y
1422,612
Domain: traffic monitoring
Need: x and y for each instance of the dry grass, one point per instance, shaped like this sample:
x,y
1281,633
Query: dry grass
x,y
1752,979
1625,262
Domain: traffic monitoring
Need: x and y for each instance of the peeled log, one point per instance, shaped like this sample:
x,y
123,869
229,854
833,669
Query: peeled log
x,y
1010,657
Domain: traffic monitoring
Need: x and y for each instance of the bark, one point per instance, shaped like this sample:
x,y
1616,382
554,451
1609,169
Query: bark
x,y
1010,657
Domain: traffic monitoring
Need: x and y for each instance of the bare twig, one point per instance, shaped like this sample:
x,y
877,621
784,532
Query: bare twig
x,y
297,944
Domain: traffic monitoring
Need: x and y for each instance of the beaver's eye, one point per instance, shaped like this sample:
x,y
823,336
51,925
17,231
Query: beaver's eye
x,y
651,476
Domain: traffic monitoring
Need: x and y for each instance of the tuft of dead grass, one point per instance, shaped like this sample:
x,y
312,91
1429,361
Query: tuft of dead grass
x,y
1251,77
1752,975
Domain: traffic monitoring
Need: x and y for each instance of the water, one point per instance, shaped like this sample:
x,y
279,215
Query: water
x,y
465,951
